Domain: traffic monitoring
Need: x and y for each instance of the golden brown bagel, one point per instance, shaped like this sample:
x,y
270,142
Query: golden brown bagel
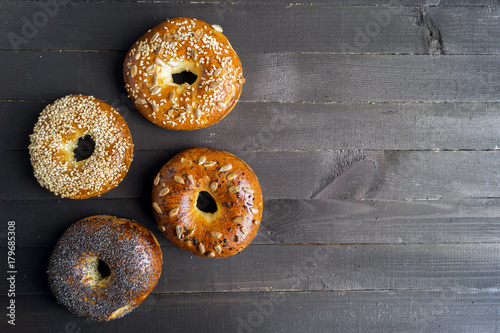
x,y
56,135
233,186
174,46
129,250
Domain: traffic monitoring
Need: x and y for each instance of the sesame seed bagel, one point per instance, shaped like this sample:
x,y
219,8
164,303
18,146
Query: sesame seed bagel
x,y
175,46
133,258
228,223
56,136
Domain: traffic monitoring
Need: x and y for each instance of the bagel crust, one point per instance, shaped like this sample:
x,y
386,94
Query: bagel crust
x,y
129,250
56,135
233,186
174,46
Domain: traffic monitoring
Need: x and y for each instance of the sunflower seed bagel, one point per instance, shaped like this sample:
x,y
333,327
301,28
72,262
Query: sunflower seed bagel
x,y
208,202
103,267
56,136
182,45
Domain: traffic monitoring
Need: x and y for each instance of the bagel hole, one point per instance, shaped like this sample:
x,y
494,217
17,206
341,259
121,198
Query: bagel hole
x,y
206,202
103,269
84,148
184,77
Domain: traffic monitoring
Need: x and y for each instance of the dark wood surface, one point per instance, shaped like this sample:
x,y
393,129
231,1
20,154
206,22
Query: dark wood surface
x,y
374,129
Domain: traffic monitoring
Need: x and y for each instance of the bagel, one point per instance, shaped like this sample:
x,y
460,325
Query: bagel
x,y
56,136
210,83
103,267
207,202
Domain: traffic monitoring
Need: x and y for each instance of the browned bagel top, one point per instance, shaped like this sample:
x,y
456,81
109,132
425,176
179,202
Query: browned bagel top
x,y
233,186
175,46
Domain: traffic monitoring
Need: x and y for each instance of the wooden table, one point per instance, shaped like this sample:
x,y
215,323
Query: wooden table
x,y
373,127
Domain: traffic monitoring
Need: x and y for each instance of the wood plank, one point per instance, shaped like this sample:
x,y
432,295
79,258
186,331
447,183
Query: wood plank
x,y
275,126
251,27
479,36
288,221
335,78
19,184
394,175
309,77
339,311
324,27
309,268
428,3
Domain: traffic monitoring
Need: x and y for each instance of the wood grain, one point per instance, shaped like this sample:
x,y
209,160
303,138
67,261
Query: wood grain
x,y
406,174
301,267
289,221
309,77
337,311
257,27
300,126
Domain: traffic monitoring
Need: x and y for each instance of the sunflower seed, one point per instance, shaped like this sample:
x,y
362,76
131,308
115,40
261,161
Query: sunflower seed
x,y
188,108
221,104
244,231
150,69
238,219
217,72
231,176
140,101
190,233
249,190
157,208
233,189
210,163
185,161
155,78
178,231
133,70
214,84
193,54
191,179
210,254
202,160
256,222
157,179
154,37
166,37
154,106
164,192
218,248
162,228
155,90
159,50
215,234
172,63
201,248
213,186
198,33
171,96
241,81
217,27
173,212
225,167
178,179
176,36
197,113
254,210
186,85
160,62
137,55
